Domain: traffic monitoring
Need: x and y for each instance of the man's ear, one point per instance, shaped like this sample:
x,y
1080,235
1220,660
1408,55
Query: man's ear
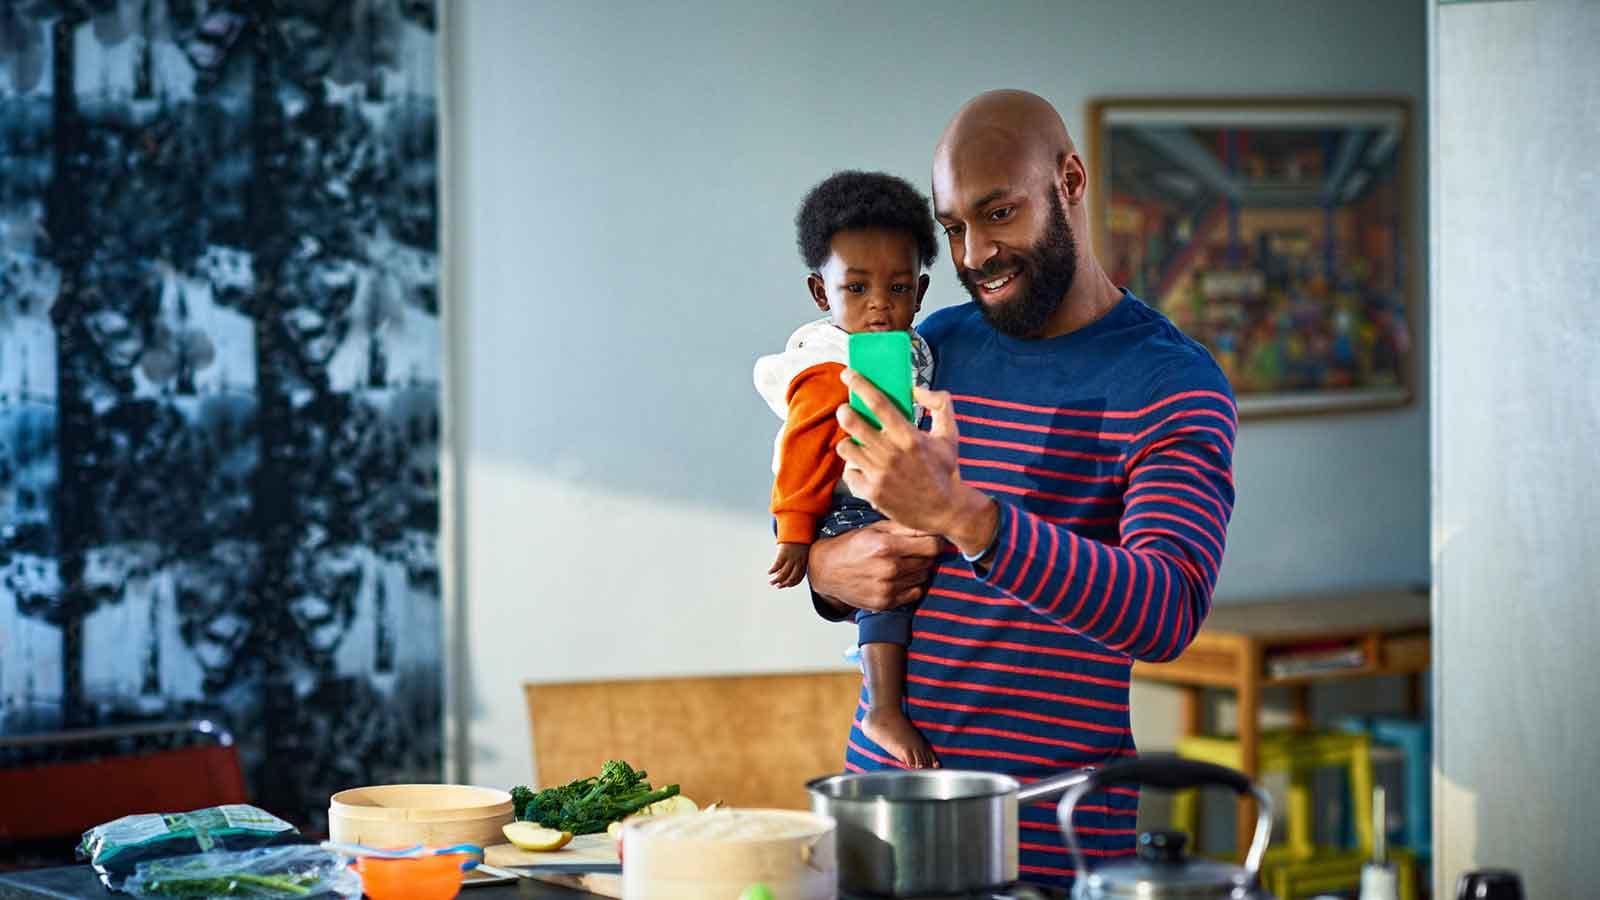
x,y
819,290
922,288
1072,179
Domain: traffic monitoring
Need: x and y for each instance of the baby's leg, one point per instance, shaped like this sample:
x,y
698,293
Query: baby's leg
x,y
884,637
885,721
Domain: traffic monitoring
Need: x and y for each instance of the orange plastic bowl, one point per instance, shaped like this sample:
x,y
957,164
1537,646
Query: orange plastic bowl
x,y
420,878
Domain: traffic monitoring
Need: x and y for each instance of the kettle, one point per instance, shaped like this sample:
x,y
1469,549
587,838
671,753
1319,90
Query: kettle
x,y
1161,870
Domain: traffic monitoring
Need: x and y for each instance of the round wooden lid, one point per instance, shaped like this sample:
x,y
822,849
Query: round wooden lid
x,y
420,803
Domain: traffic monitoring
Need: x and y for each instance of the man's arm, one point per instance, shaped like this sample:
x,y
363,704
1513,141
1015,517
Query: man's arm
x,y
878,567
1147,597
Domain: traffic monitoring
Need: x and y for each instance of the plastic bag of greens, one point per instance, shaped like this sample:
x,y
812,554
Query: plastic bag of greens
x,y
305,873
116,848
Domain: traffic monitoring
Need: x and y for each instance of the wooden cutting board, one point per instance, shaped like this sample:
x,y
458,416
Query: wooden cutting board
x,y
584,850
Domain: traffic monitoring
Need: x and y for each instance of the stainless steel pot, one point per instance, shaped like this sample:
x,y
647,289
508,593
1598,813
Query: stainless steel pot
x,y
907,832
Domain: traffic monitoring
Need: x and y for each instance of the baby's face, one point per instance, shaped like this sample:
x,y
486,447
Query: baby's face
x,y
871,281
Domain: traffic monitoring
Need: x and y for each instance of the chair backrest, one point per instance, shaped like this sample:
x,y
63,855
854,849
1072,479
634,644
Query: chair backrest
x,y
63,799
747,740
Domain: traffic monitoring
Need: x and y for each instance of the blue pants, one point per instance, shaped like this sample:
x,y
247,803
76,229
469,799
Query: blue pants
x,y
891,626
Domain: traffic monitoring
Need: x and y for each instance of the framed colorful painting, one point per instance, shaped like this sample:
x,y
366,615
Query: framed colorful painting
x,y
1277,232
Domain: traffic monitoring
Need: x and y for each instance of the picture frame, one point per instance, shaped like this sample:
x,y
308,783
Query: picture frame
x,y
1279,232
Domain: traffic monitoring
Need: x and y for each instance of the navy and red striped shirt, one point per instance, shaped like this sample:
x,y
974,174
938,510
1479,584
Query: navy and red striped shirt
x,y
1110,452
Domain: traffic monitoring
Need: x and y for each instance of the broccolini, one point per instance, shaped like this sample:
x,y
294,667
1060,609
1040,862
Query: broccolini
x,y
588,805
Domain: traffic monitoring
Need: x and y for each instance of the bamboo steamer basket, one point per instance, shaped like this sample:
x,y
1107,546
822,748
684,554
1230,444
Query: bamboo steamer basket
x,y
716,854
434,815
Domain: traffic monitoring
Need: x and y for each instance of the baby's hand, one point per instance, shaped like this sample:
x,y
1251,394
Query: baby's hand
x,y
790,566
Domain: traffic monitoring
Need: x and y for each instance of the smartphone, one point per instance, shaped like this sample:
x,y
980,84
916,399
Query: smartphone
x,y
883,358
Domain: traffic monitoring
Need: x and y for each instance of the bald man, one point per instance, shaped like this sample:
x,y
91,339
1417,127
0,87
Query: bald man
x,y
1070,497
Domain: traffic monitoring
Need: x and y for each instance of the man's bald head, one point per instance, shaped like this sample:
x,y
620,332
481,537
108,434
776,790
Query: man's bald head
x,y
1025,122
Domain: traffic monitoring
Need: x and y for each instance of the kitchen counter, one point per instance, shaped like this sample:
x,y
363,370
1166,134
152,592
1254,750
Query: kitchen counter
x,y
79,882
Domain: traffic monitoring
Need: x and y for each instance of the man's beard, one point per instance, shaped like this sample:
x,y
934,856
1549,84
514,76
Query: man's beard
x,y
1049,265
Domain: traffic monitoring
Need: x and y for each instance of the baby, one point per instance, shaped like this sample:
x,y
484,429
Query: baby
x,y
867,239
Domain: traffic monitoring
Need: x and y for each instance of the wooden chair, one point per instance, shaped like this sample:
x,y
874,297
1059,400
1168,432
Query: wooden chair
x,y
746,740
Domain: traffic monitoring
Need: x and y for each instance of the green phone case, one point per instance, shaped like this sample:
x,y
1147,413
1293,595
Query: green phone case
x,y
884,358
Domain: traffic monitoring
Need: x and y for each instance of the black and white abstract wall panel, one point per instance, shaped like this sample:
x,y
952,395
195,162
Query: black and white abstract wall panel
x,y
219,379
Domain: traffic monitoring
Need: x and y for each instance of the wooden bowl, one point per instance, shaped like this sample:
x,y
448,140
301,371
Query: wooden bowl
x,y
434,815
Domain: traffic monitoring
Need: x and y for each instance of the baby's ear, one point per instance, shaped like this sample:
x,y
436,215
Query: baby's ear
x,y
922,288
819,291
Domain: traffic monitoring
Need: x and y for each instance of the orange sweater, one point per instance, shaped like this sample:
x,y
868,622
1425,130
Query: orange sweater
x,y
808,467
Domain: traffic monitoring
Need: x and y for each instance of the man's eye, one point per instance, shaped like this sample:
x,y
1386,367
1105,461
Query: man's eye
x,y
1002,214
953,230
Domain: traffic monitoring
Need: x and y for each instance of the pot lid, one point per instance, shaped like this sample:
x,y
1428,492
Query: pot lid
x,y
1161,871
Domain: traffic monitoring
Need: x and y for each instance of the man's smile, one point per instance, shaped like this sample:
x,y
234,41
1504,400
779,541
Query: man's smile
x,y
995,287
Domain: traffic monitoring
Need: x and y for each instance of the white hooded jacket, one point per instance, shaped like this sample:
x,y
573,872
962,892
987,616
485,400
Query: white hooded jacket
x,y
814,343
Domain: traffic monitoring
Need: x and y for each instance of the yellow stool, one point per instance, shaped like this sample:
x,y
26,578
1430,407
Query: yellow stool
x,y
1338,870
1299,754
1298,867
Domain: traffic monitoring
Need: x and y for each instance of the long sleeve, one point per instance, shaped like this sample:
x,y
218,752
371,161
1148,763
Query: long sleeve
x,y
808,467
1147,597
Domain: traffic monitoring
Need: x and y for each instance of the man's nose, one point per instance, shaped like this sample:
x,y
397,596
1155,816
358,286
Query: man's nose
x,y
978,249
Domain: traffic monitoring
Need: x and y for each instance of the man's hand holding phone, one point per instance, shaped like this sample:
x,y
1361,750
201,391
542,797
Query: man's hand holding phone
x,y
912,476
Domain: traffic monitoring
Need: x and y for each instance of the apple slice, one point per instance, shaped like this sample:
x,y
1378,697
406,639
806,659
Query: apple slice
x,y
535,837
676,805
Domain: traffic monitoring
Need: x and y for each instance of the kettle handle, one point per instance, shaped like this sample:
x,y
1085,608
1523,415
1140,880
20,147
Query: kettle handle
x,y
1171,773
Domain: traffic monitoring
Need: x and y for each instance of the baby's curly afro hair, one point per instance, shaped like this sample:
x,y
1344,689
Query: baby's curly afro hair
x,y
847,200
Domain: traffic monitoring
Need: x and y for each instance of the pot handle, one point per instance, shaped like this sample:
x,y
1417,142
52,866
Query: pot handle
x,y
1052,787
1171,773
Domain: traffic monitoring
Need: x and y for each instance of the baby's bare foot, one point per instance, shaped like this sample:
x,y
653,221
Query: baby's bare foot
x,y
889,728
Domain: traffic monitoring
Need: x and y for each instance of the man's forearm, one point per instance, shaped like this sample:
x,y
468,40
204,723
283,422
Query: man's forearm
x,y
877,567
973,523
829,608
826,603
